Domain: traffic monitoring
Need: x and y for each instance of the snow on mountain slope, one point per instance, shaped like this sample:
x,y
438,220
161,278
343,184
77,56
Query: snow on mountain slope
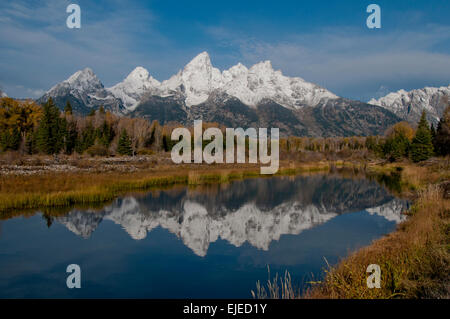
x,y
83,90
3,94
196,81
79,83
130,91
409,105
199,79
261,81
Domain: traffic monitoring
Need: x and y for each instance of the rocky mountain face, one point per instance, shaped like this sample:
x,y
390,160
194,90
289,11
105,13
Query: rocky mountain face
x,y
247,211
84,91
258,96
409,105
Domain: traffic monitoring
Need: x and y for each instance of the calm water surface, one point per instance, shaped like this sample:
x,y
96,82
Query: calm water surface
x,y
214,241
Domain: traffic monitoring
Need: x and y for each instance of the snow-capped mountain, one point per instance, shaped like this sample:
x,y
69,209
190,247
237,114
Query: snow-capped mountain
x,y
409,105
240,96
84,91
199,79
195,83
131,90
3,94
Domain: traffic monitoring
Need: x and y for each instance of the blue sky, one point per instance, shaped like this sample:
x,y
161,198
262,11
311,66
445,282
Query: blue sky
x,y
325,42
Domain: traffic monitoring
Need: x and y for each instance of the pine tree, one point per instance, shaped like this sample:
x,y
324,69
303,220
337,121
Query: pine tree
x,y
124,145
88,136
50,135
68,108
92,112
30,143
105,134
442,139
422,146
71,137
15,139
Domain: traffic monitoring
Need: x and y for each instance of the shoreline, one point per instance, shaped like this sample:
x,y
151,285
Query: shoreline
x,y
414,259
93,185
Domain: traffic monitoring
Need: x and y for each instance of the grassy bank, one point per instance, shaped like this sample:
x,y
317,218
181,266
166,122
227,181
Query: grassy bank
x,y
414,260
66,189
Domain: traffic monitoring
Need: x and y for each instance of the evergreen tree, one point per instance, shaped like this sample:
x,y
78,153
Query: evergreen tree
x,y
124,145
68,108
433,133
101,110
92,112
71,137
442,139
105,134
15,139
30,143
87,139
422,146
50,133
10,139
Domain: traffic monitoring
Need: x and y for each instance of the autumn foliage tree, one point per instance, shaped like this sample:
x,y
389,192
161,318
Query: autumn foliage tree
x,y
398,141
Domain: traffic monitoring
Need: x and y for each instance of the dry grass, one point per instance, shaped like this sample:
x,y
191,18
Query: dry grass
x,y
56,189
276,288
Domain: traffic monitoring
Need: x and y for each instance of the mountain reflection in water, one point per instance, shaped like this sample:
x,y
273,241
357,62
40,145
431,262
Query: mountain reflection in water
x,y
257,211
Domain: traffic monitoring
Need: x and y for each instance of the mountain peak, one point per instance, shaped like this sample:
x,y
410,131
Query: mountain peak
x,y
133,87
139,72
410,104
83,78
263,66
201,60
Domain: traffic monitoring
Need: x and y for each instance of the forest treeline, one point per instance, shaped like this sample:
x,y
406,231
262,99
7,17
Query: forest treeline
x,y
28,128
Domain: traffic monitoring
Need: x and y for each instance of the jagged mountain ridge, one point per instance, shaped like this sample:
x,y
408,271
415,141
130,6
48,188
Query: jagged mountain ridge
x,y
84,91
409,105
258,96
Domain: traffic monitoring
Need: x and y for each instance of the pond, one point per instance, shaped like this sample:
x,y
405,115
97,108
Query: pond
x,y
213,241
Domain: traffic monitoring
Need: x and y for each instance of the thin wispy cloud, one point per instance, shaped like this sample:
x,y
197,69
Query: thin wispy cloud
x,y
37,49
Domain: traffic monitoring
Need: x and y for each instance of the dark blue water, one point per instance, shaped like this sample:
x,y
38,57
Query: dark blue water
x,y
209,242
